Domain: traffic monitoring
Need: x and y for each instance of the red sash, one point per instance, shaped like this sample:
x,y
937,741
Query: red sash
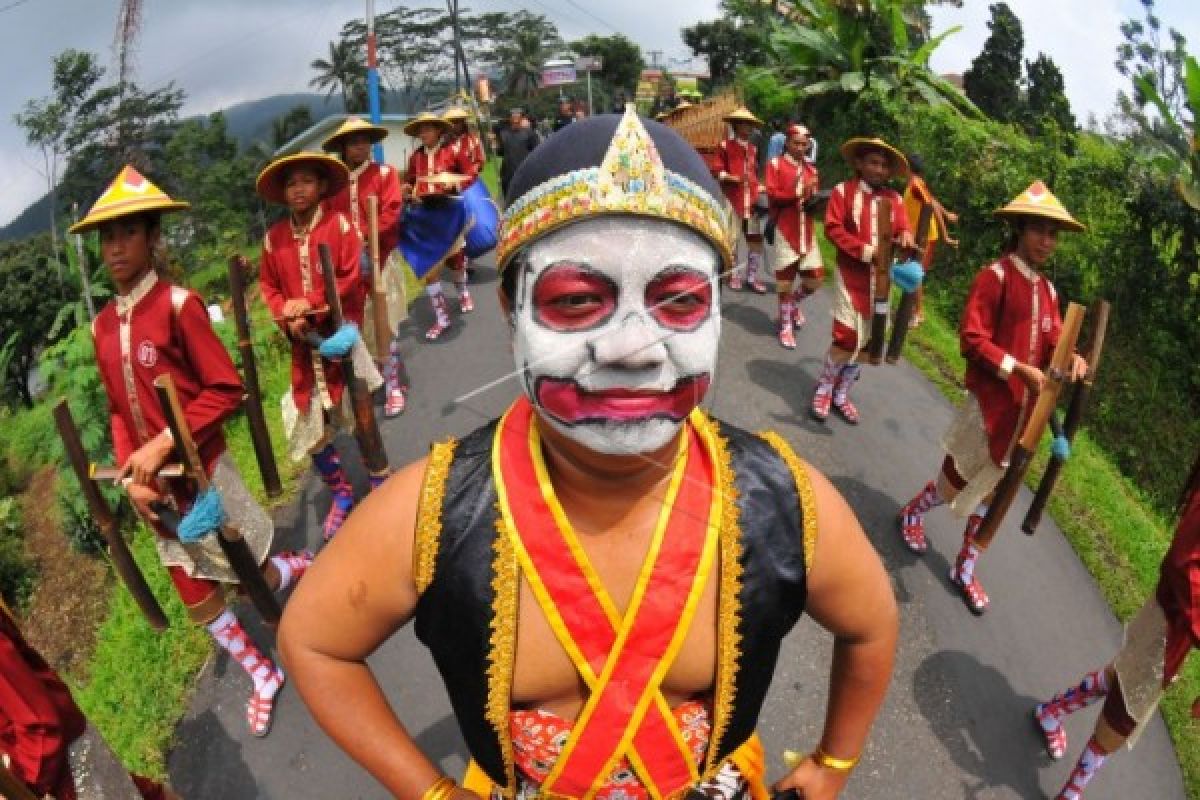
x,y
622,660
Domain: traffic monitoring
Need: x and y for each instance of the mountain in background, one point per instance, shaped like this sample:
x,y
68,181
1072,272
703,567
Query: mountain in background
x,y
248,122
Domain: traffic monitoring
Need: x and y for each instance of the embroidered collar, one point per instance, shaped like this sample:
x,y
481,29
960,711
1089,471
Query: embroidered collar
x,y
865,187
126,302
1028,272
357,172
302,232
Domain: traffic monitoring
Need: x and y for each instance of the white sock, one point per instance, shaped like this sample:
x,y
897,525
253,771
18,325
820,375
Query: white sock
x,y
434,289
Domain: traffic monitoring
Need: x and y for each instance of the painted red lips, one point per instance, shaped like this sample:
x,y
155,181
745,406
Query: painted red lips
x,y
573,405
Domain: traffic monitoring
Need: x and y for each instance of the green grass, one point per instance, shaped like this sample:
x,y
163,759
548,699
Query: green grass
x,y
139,681
1112,527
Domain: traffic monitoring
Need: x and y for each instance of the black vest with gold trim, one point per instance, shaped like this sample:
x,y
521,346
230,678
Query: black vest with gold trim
x,y
468,579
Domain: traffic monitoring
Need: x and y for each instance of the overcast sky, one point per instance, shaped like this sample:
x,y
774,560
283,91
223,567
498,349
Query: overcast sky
x,y
223,52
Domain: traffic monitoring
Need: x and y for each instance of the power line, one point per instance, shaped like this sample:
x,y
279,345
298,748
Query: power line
x,y
605,23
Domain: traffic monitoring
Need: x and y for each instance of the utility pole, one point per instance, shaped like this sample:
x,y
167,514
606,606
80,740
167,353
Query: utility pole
x,y
654,54
460,56
373,79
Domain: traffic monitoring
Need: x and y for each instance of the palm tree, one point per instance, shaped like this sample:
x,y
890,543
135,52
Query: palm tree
x,y
532,37
830,47
342,72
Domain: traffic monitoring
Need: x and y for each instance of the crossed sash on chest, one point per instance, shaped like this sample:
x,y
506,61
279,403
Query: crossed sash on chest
x,y
622,659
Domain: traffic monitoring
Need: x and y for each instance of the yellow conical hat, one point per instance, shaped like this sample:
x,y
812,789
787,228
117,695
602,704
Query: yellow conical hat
x,y
269,184
129,193
743,114
425,118
1039,201
456,114
354,125
852,147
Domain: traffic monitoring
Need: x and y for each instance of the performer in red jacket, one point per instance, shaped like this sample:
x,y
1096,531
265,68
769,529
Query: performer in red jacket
x,y
462,140
1008,333
791,183
293,287
736,168
851,223
45,740
1157,641
352,142
153,328
436,170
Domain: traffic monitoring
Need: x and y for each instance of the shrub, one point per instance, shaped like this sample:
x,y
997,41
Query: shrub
x,y
17,573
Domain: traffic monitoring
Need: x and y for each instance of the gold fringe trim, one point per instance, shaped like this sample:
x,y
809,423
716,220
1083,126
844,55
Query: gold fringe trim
x,y
808,500
505,586
728,591
428,533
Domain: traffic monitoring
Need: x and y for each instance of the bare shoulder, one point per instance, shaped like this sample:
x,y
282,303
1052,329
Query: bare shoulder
x,y
360,588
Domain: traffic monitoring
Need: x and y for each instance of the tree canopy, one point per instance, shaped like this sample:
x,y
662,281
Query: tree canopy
x,y
994,80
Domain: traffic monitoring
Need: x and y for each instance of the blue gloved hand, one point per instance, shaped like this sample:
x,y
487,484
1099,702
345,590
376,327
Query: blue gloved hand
x,y
908,275
1061,448
341,343
206,515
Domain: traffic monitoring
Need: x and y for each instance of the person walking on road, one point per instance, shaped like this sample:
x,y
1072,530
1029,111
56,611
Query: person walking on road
x,y
153,328
515,141
792,183
1009,330
736,167
1157,641
528,552
852,225
292,280
916,195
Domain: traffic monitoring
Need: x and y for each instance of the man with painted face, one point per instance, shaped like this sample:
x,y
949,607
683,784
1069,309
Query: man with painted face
x,y
604,575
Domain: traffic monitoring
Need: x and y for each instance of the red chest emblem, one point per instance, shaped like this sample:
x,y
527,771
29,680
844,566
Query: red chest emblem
x,y
147,353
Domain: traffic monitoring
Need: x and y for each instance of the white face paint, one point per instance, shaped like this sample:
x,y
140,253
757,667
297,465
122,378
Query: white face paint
x,y
616,325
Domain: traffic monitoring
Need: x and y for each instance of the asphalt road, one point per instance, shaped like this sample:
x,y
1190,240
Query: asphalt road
x,y
956,723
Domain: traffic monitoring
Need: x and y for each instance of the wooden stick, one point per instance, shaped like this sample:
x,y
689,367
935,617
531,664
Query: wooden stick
x,y
379,308
112,474
881,292
127,569
908,300
1022,454
366,429
1075,411
12,788
241,560
260,437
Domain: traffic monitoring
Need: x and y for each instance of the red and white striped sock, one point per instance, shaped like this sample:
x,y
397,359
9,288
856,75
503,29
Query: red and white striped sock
x,y
231,636
970,551
829,373
1093,687
926,499
1090,762
292,564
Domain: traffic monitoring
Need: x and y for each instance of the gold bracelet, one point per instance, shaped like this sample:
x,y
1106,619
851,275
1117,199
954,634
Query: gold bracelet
x,y
441,789
827,761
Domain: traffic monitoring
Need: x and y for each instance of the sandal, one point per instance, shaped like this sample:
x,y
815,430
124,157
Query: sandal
x,y
786,337
912,530
260,708
395,403
1056,737
847,410
820,405
972,593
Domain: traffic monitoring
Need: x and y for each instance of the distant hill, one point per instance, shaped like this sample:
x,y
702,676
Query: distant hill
x,y
248,122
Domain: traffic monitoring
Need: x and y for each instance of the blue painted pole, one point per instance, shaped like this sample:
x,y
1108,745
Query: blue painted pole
x,y
373,80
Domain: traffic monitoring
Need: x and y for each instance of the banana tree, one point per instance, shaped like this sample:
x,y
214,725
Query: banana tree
x,y
838,47
1180,153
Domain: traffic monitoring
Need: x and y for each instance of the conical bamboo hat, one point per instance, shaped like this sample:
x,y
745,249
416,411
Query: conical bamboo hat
x,y
377,133
129,193
270,181
852,148
1039,201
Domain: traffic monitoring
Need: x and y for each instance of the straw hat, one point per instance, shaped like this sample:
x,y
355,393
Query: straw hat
x,y
853,148
270,181
743,114
376,133
425,118
1039,201
129,193
455,114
